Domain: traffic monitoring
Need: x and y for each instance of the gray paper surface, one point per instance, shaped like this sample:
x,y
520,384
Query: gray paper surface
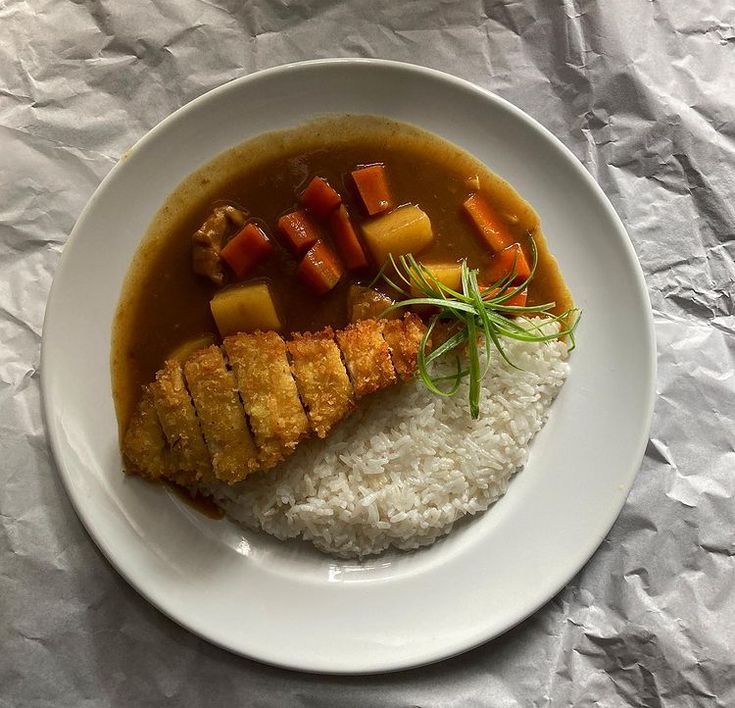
x,y
643,92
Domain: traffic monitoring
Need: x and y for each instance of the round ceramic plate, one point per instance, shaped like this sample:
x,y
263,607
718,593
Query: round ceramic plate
x,y
284,603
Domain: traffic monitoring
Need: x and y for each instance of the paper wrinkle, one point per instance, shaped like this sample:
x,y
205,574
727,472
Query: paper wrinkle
x,y
641,92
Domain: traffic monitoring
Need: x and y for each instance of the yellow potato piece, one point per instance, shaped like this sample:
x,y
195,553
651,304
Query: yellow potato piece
x,y
183,351
401,231
449,274
245,308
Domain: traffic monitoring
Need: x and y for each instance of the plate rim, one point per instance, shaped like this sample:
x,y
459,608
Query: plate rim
x,y
587,550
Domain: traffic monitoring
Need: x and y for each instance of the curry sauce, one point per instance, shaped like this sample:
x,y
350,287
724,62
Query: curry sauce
x,y
164,303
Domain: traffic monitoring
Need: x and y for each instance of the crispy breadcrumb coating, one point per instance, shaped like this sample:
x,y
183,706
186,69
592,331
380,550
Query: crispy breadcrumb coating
x,y
221,416
180,424
209,438
321,379
263,375
403,338
367,356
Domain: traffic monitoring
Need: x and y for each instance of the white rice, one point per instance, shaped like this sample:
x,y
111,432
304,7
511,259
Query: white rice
x,y
407,464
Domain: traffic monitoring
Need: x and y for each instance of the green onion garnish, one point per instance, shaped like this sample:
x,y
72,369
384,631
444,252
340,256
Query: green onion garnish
x,y
477,313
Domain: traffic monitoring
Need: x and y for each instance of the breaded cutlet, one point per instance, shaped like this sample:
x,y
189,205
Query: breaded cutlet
x,y
180,426
367,356
321,379
144,446
263,375
170,436
221,415
404,338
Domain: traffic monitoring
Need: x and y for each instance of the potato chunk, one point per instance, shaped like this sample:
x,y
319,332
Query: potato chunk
x,y
406,229
184,350
245,308
449,274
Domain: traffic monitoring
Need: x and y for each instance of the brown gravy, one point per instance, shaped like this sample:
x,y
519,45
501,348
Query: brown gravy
x,y
163,303
203,504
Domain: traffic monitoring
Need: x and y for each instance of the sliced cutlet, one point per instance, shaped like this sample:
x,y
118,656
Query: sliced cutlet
x,y
263,375
144,447
321,379
180,426
221,416
367,356
404,339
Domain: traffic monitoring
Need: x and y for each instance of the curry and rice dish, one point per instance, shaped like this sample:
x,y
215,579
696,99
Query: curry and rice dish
x,y
348,332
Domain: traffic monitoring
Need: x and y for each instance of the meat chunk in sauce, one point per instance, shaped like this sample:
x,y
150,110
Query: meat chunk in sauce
x,y
208,240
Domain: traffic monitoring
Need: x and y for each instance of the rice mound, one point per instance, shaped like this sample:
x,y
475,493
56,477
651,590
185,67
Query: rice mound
x,y
407,464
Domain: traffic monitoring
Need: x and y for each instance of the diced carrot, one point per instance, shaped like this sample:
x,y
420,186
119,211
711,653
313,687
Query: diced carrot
x,y
299,231
345,238
320,198
504,261
488,223
246,249
372,183
320,268
518,300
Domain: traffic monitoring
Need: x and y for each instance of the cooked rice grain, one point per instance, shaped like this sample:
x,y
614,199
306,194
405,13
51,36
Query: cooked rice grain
x,y
407,464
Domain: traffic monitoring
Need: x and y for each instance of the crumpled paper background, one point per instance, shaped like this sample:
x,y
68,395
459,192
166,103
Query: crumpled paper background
x,y
642,92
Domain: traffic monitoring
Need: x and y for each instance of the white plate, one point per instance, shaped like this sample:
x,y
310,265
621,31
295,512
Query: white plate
x,y
284,603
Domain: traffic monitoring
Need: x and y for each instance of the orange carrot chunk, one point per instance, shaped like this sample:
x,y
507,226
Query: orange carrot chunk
x,y
345,238
320,268
320,198
518,300
503,262
246,249
488,223
298,230
372,184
